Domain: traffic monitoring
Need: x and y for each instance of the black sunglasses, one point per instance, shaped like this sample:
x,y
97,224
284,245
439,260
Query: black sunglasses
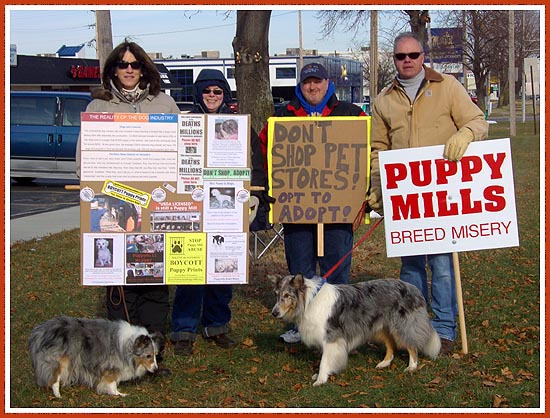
x,y
217,92
412,55
136,65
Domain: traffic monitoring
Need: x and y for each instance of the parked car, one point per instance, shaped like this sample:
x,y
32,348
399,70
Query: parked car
x,y
233,105
365,105
279,103
44,128
185,107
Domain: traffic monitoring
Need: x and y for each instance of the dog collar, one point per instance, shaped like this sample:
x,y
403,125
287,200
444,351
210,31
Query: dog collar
x,y
319,286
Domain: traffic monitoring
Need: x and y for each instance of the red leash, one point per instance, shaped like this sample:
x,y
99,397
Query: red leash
x,y
356,223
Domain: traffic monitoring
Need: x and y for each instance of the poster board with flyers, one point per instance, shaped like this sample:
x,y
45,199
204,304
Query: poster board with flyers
x,y
164,198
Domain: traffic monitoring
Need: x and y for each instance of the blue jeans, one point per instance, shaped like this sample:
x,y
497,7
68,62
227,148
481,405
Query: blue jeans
x,y
301,250
443,290
189,300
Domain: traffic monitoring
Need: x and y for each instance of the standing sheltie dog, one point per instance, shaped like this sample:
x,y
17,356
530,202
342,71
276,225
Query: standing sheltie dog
x,y
94,352
339,318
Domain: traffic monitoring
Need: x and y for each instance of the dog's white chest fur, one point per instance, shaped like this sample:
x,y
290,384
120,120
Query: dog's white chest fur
x,y
312,326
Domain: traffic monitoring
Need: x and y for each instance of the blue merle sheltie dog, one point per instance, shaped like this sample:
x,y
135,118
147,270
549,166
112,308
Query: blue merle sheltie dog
x,y
95,352
339,318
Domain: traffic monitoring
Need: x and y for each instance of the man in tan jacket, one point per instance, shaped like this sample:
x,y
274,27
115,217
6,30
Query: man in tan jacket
x,y
423,108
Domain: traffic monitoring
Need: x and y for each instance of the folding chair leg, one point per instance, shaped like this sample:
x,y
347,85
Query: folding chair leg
x,y
266,244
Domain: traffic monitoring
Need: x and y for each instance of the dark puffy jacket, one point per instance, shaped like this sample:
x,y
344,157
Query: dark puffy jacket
x,y
211,77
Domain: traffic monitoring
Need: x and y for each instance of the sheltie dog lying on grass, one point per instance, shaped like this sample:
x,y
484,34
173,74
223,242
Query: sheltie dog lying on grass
x,y
339,318
94,352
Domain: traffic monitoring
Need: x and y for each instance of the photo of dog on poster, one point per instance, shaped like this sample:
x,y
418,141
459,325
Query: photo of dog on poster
x,y
227,129
222,198
103,254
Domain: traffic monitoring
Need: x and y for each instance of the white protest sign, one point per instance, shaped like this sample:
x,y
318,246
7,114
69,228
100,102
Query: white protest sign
x,y
432,205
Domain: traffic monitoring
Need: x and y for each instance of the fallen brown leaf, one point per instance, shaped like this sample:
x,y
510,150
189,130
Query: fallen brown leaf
x,y
248,342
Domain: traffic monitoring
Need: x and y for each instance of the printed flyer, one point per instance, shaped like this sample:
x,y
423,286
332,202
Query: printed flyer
x,y
155,191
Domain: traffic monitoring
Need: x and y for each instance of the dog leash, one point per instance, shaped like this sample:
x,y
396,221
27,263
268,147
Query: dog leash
x,y
121,301
358,219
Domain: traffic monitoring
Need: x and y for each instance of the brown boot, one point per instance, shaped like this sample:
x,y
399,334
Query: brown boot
x,y
223,341
447,347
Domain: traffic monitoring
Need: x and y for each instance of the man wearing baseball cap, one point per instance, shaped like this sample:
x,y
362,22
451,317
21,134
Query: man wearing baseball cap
x,y
315,96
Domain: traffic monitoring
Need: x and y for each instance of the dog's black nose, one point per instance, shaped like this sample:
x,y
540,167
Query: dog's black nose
x,y
275,312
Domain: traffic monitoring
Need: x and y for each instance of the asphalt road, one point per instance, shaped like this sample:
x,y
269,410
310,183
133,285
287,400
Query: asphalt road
x,y
41,195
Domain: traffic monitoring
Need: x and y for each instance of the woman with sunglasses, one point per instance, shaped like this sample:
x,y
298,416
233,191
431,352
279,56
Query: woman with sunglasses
x,y
206,305
422,108
131,84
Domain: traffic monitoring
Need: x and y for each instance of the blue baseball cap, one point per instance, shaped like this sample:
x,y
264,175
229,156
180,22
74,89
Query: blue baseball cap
x,y
313,70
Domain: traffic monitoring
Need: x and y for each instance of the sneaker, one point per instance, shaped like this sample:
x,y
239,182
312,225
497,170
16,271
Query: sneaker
x,y
183,347
223,340
291,336
447,347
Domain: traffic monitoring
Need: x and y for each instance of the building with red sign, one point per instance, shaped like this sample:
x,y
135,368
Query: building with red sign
x,y
67,74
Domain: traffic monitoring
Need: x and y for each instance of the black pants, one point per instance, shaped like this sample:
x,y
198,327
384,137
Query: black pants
x,y
147,306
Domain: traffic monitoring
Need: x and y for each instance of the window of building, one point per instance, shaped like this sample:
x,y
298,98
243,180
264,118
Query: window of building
x,y
230,72
185,78
285,73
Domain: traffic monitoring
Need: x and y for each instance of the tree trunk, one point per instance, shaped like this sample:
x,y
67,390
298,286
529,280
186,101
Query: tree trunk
x,y
418,21
250,47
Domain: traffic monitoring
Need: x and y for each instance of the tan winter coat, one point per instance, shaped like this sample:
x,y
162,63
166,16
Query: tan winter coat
x,y
441,107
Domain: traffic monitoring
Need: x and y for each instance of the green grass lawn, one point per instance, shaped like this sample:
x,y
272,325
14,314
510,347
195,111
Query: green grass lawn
x,y
502,297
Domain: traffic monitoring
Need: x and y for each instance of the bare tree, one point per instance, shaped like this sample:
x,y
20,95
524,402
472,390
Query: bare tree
x,y
354,20
418,20
527,27
386,68
346,20
486,48
251,50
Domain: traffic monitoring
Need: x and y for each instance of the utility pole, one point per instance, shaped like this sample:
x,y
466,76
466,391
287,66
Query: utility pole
x,y
103,35
373,87
511,73
522,67
464,38
301,50
430,49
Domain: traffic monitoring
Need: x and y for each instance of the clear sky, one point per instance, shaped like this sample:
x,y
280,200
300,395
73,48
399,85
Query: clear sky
x,y
188,30
170,30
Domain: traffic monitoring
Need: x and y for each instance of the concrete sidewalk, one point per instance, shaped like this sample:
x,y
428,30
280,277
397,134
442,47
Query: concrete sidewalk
x,y
43,224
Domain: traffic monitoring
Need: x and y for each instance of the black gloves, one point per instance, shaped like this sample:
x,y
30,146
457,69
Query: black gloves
x,y
265,199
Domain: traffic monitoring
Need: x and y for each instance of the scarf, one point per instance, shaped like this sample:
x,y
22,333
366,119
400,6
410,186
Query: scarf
x,y
318,109
411,85
130,96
